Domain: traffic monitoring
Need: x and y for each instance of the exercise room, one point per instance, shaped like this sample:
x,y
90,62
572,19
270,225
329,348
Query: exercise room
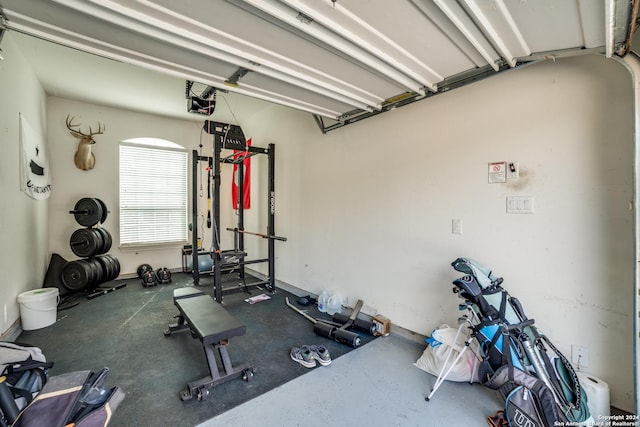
x,y
319,212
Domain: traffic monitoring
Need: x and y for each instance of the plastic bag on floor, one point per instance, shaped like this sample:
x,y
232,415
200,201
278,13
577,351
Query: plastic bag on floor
x,y
435,355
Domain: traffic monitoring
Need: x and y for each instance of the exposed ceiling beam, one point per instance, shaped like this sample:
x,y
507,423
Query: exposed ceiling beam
x,y
500,28
206,40
349,30
343,60
468,28
314,27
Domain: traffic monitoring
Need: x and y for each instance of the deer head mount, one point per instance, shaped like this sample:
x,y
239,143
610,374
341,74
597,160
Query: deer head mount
x,y
84,158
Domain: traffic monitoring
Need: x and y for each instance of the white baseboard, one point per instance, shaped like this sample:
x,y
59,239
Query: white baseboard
x,y
13,332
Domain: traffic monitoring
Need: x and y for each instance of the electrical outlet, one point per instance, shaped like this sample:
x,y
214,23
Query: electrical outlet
x,y
456,226
579,356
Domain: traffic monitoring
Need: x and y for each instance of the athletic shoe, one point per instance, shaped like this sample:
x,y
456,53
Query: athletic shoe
x,y
321,354
303,355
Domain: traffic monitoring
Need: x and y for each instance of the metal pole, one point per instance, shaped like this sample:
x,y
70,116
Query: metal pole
x,y
632,63
194,217
241,213
217,274
271,228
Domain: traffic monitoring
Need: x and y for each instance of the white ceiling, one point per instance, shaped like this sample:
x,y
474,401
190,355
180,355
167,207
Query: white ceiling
x,y
341,60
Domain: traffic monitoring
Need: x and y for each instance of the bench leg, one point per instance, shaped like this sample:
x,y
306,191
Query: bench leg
x,y
179,326
226,362
201,388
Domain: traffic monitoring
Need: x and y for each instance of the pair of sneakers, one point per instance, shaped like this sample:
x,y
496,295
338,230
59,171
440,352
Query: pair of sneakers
x,y
308,355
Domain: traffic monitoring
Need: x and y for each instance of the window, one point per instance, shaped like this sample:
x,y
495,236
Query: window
x,y
153,193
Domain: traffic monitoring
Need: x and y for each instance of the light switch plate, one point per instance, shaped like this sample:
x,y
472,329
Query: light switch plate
x,y
456,226
520,204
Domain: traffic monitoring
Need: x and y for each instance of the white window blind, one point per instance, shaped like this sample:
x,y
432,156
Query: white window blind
x,y
153,195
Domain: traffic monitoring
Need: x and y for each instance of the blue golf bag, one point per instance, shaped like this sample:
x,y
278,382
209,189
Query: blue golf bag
x,y
538,383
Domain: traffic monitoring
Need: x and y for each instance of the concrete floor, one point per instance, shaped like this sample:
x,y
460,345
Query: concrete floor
x,y
377,385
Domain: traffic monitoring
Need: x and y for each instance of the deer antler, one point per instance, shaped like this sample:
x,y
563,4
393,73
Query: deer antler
x,y
78,133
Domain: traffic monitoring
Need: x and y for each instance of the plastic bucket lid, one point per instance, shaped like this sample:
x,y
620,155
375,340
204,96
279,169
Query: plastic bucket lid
x,y
38,295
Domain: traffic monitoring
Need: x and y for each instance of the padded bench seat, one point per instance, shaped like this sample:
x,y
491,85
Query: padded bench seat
x,y
209,321
214,326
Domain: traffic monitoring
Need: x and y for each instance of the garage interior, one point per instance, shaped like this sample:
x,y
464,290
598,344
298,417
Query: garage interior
x,y
380,184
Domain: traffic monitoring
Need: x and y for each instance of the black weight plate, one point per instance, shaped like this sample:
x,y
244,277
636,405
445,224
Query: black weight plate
x,y
106,238
87,212
107,269
102,276
85,242
105,211
112,266
99,240
101,249
76,275
98,274
113,272
116,265
92,283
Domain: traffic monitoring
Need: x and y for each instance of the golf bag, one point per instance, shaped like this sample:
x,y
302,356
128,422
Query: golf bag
x,y
538,383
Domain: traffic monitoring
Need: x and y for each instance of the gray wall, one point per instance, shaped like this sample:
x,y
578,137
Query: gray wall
x,y
24,253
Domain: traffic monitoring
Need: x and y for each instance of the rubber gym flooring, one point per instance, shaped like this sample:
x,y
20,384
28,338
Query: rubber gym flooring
x,y
123,330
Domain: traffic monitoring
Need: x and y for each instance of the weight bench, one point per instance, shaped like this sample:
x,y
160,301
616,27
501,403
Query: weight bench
x,y
213,326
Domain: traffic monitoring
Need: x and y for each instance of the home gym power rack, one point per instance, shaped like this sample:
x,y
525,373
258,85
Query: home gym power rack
x,y
230,136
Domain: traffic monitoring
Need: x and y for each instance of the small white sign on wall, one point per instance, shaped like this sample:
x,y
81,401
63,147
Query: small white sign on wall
x,y
497,172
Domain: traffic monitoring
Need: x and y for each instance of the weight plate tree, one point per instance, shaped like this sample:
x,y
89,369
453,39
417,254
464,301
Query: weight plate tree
x,y
91,244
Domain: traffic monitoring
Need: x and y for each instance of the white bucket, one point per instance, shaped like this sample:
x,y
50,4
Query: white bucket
x,y
598,395
38,308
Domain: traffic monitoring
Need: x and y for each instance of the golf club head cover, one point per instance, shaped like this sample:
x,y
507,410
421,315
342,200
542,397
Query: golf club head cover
x,y
469,285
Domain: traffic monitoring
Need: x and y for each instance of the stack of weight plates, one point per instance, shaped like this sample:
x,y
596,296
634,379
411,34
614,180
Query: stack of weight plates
x,y
91,244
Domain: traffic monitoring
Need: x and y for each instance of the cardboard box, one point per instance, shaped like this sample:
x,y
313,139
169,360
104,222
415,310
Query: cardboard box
x,y
383,325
